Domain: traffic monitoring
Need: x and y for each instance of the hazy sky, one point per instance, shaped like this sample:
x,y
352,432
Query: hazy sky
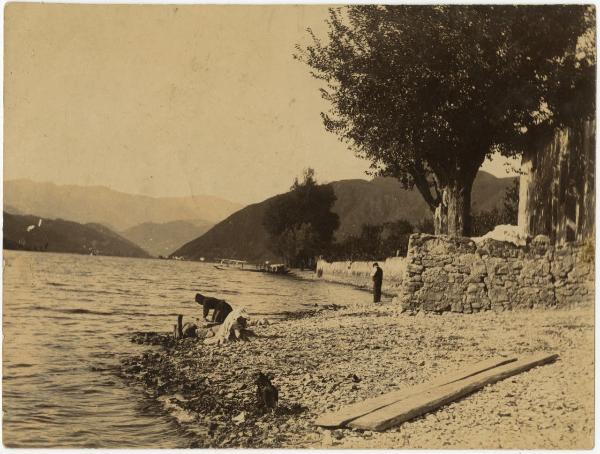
x,y
167,101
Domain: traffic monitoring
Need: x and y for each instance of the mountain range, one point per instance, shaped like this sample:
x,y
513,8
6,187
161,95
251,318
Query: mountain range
x,y
160,226
34,233
359,202
116,210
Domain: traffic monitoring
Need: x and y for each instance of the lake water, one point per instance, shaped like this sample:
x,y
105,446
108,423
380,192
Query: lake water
x,y
65,324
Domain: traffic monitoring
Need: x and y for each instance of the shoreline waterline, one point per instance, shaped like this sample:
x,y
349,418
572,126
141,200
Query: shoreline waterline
x,y
66,321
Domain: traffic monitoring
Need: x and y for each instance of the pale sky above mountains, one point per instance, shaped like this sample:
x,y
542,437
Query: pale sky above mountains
x,y
168,101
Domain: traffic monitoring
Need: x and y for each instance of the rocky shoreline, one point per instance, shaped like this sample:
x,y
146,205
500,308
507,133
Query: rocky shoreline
x,y
330,357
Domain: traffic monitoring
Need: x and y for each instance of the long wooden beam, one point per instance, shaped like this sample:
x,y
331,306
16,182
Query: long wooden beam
x,y
433,398
356,410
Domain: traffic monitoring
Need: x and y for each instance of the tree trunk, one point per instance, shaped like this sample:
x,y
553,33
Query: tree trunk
x,y
440,216
451,204
459,207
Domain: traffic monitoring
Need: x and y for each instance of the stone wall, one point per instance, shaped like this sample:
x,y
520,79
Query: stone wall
x,y
457,274
359,273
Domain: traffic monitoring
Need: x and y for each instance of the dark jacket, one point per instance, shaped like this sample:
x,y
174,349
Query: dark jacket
x,y
221,308
378,277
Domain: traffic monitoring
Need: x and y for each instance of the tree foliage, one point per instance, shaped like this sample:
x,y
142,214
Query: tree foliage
x,y
375,242
426,93
510,203
300,223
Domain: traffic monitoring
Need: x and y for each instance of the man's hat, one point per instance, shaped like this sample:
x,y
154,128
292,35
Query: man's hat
x,y
375,264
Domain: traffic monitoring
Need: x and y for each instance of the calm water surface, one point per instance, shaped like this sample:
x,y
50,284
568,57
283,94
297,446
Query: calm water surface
x,y
65,321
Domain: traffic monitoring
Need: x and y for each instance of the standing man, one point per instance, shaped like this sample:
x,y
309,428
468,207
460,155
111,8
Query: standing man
x,y
377,276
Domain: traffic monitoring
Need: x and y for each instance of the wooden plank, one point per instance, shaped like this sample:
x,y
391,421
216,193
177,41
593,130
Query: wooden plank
x,y
433,398
358,409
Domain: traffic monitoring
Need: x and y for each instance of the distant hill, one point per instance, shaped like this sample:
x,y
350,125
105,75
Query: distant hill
x,y
40,234
162,239
359,202
240,236
116,209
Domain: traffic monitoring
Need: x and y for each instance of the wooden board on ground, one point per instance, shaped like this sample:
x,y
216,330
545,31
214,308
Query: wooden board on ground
x,y
356,410
433,398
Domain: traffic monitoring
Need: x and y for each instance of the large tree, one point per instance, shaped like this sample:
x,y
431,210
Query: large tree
x,y
300,223
426,93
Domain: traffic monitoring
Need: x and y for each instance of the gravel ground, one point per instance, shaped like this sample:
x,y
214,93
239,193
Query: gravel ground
x,y
337,357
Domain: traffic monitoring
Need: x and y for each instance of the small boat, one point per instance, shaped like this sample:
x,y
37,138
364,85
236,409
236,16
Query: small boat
x,y
243,265
231,264
277,268
255,270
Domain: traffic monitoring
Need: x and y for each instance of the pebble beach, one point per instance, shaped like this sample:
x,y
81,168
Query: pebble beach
x,y
327,358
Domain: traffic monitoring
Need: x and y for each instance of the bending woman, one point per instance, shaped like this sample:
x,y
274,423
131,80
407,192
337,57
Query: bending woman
x,y
221,309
